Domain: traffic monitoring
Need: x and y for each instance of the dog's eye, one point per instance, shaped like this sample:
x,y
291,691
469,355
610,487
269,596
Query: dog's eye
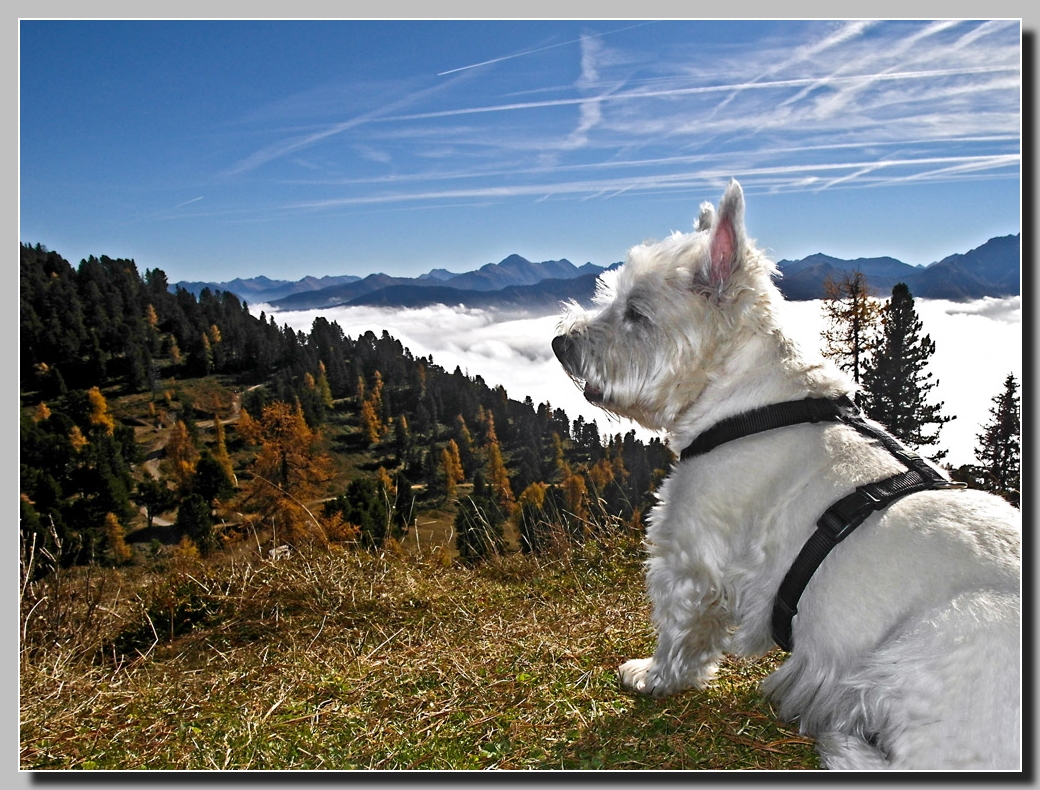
x,y
633,315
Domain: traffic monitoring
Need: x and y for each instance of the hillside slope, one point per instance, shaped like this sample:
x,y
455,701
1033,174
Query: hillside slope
x,y
347,660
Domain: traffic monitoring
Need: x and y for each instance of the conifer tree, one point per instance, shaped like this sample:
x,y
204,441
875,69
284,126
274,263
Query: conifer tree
x,y
896,385
115,539
853,317
194,521
998,448
372,407
451,469
466,445
181,455
324,390
498,477
289,471
42,412
77,439
370,423
220,451
154,497
100,416
576,497
402,439
211,480
366,507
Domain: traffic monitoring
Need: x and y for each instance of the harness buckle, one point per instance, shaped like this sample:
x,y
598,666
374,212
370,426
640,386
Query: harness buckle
x,y
849,512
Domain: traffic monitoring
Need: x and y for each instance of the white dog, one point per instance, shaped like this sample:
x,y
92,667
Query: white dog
x,y
906,644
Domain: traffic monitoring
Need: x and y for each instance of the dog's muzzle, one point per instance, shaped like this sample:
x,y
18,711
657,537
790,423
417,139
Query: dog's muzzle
x,y
565,350
568,351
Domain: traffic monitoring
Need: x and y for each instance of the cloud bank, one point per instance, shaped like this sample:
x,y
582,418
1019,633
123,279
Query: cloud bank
x,y
977,344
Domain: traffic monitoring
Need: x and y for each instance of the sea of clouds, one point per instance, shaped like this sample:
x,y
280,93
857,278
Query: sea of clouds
x,y
977,344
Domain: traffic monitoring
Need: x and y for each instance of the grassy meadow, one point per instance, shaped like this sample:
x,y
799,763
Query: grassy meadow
x,y
338,659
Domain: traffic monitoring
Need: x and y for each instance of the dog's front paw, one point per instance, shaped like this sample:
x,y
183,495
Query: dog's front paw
x,y
638,675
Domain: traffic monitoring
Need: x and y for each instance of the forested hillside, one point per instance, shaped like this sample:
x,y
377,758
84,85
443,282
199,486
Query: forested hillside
x,y
245,547
151,416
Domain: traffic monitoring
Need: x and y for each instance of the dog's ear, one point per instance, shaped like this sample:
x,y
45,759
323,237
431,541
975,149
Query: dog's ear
x,y
728,237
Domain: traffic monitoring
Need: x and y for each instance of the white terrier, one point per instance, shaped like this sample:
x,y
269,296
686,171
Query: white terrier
x,y
906,646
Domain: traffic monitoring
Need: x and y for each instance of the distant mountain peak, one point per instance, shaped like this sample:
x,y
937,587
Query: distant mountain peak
x,y
992,269
438,274
510,260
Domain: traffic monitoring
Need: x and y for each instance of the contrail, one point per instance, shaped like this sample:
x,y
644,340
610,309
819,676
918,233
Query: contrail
x,y
188,202
539,49
951,164
752,84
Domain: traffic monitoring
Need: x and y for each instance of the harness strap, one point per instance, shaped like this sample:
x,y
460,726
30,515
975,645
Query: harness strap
x,y
841,518
837,522
766,418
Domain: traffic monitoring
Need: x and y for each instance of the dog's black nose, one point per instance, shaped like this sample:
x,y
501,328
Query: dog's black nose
x,y
561,346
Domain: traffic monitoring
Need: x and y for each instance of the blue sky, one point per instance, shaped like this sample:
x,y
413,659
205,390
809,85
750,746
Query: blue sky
x,y
216,150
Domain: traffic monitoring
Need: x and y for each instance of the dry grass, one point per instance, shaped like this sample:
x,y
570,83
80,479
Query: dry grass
x,y
345,660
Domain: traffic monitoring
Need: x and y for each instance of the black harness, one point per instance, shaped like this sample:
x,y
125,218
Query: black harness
x,y
843,516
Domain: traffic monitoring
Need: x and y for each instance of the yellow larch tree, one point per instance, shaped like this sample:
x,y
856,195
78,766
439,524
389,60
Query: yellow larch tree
x,y
289,473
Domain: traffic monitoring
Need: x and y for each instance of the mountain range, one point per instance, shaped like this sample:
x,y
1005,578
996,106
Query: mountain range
x,y
993,269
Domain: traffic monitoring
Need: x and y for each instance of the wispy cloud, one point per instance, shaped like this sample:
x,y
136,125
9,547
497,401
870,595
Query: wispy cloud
x,y
786,177
536,50
293,144
806,52
904,100
672,93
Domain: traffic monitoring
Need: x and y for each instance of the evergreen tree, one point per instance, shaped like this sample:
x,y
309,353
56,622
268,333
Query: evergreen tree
x,y
896,385
211,480
365,506
999,444
154,497
853,316
194,521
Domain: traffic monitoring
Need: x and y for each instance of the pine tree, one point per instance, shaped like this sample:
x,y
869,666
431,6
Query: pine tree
x,y
154,497
211,480
367,508
853,316
998,448
194,521
895,384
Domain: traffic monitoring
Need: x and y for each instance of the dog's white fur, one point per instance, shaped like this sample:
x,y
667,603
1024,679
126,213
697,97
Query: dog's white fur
x,y
907,645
